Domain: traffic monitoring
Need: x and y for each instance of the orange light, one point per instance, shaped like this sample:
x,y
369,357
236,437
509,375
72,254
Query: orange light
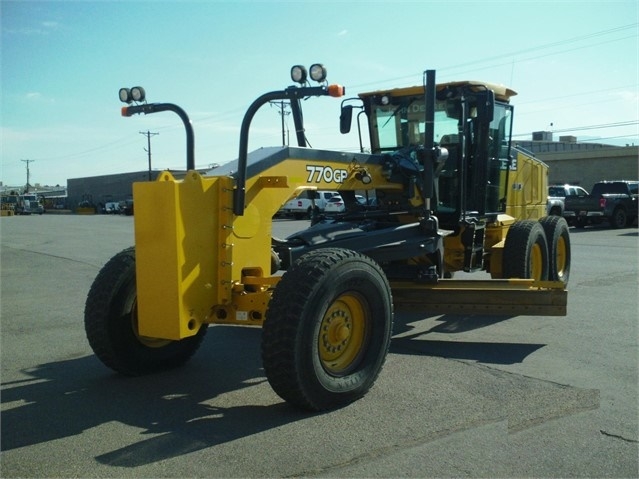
x,y
125,111
336,90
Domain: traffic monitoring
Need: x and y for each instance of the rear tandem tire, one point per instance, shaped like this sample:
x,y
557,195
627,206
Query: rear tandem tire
x,y
327,329
525,252
559,253
110,321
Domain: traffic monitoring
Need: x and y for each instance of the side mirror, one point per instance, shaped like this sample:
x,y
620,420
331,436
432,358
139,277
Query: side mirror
x,y
345,119
487,109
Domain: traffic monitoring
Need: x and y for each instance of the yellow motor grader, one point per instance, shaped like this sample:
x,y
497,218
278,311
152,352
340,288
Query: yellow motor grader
x,y
445,192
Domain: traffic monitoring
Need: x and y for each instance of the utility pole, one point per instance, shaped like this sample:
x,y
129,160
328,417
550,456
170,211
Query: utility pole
x,y
148,135
282,106
26,190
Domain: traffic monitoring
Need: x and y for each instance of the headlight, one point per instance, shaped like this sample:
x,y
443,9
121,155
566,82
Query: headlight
x,y
298,74
318,72
125,95
137,93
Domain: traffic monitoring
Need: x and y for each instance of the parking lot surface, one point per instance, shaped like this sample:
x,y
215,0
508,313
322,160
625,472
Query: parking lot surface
x,y
459,396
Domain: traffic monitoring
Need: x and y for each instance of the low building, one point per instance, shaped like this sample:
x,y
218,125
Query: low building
x,y
581,163
569,161
96,191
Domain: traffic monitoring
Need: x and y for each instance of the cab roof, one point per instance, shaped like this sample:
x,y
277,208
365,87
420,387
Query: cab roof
x,y
502,93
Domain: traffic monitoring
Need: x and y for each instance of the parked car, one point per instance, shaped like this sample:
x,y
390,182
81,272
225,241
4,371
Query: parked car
x,y
612,201
334,205
557,195
126,207
302,206
111,208
337,205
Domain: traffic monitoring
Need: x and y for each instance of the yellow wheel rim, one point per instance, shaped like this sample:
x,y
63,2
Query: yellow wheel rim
x,y
536,262
342,334
562,256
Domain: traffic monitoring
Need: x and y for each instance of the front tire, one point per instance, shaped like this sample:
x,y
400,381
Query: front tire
x,y
327,329
525,252
110,321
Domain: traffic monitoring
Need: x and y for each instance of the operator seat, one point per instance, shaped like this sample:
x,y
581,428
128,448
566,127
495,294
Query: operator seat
x,y
451,143
449,139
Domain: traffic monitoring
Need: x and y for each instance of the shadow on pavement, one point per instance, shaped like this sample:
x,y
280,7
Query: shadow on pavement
x,y
484,352
65,398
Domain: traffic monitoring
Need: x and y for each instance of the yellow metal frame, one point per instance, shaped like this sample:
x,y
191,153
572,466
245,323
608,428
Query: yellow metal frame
x,y
197,263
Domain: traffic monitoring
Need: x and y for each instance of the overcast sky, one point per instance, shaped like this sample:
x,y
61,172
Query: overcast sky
x,y
574,65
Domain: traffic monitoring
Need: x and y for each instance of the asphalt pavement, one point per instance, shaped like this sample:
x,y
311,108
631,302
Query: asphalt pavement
x,y
459,396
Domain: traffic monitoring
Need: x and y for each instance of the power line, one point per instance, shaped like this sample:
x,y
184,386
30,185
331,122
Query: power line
x,y
514,53
591,127
552,44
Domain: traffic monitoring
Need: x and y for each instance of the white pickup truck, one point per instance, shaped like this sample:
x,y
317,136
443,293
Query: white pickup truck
x,y
302,206
557,194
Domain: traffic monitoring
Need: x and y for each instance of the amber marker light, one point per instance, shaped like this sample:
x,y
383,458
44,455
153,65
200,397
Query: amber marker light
x,y
125,111
336,90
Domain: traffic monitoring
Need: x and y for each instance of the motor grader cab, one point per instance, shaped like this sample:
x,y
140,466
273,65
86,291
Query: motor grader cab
x,y
445,192
469,176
